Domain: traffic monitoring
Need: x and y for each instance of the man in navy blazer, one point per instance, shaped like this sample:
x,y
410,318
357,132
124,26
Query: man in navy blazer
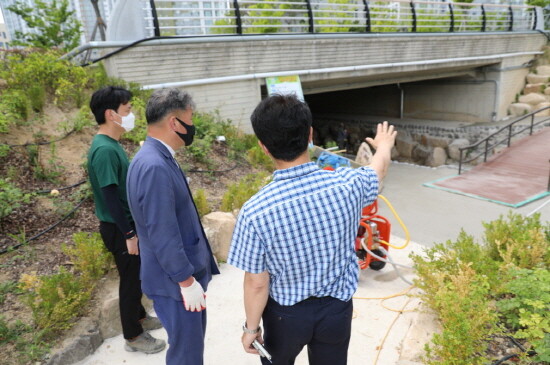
x,y
176,259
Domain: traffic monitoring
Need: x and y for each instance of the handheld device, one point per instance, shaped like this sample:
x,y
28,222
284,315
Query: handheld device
x,y
263,352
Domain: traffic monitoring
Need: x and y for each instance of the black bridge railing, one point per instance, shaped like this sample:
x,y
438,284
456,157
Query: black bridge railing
x,y
194,17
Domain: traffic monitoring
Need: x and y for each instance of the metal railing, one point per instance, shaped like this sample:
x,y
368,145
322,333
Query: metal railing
x,y
489,142
209,17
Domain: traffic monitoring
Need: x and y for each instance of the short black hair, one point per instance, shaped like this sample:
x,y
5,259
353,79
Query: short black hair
x,y
108,97
282,123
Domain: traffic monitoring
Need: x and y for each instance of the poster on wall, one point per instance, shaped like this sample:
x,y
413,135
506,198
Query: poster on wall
x,y
285,85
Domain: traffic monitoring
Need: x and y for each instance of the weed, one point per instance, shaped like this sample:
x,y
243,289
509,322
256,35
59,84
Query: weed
x,y
7,287
11,198
4,150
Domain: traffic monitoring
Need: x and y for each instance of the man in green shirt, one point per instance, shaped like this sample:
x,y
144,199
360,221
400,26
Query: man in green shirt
x,y
107,169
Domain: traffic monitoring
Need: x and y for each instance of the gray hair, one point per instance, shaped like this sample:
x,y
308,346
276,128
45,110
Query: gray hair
x,y
164,101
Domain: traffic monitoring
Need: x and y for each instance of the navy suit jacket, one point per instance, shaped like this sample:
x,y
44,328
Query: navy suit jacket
x,y
172,243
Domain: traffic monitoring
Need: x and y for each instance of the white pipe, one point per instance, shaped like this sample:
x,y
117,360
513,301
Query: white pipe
x,y
243,77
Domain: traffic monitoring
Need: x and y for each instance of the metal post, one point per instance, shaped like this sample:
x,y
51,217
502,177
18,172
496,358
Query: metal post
x,y
452,29
535,20
484,23
511,12
460,161
155,18
509,134
548,187
413,10
311,20
367,15
239,20
486,150
532,121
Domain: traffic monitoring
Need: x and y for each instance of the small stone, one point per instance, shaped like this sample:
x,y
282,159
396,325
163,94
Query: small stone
x,y
537,79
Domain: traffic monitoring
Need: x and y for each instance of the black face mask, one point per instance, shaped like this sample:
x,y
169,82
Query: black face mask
x,y
187,138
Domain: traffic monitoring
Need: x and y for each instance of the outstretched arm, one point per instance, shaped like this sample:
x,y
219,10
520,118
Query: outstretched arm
x,y
382,143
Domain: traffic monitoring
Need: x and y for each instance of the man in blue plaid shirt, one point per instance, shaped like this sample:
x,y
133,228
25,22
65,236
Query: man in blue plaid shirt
x,y
295,239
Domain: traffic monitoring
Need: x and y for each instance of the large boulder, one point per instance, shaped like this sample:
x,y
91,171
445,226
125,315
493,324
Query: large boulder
x,y
454,147
534,88
432,141
537,79
420,154
519,109
532,98
405,144
394,153
219,227
544,113
438,157
543,70
547,91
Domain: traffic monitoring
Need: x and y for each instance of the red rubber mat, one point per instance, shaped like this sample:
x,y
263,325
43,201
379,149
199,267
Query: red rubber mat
x,y
514,177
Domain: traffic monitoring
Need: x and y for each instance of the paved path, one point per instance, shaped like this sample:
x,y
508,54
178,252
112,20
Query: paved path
x,y
226,315
512,177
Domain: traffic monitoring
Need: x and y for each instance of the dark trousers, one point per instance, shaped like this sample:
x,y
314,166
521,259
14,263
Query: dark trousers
x,y
323,324
129,290
185,330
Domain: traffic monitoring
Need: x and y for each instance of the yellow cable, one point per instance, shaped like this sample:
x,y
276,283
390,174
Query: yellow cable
x,y
389,296
407,235
388,331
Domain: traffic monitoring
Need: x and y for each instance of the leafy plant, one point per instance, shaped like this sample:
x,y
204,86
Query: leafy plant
x,y
239,192
526,307
14,108
49,171
201,203
7,287
11,198
53,25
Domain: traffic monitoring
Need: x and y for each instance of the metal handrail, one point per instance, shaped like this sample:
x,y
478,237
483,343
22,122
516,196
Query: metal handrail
x,y
192,17
507,139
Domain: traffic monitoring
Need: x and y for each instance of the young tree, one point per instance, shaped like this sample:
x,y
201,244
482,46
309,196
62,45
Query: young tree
x,y
54,25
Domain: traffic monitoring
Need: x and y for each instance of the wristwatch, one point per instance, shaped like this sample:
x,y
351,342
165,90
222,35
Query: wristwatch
x,y
251,332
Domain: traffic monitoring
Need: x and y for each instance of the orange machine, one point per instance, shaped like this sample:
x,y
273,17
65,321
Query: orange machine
x,y
373,233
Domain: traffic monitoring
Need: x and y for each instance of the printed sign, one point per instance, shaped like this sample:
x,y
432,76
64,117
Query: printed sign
x,y
285,85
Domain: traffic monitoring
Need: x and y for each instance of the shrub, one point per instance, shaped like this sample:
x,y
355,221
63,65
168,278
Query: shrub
x,y
14,108
89,256
11,198
239,192
518,240
201,203
258,158
54,299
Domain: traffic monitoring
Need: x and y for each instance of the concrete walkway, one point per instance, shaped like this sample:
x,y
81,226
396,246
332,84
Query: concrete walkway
x,y
431,216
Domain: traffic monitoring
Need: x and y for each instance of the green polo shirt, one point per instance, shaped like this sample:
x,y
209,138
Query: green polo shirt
x,y
107,165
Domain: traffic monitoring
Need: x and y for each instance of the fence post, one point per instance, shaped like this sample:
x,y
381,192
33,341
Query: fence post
x,y
532,121
484,23
413,10
509,134
460,161
535,20
367,15
452,29
239,20
310,13
155,18
486,150
511,14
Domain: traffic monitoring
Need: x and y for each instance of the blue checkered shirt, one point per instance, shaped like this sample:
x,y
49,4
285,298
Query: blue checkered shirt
x,y
301,229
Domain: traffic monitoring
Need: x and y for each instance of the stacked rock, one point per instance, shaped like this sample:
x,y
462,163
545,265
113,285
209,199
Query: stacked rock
x,y
536,94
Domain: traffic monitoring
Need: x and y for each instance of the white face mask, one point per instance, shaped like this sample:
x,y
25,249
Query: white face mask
x,y
128,121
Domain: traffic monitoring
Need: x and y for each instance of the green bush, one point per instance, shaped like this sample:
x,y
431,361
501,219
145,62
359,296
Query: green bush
x,y
201,203
14,108
55,300
470,286
11,198
89,256
257,157
239,192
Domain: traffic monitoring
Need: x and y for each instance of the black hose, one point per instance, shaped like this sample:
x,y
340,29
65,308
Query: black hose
x,y
38,143
46,191
45,231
